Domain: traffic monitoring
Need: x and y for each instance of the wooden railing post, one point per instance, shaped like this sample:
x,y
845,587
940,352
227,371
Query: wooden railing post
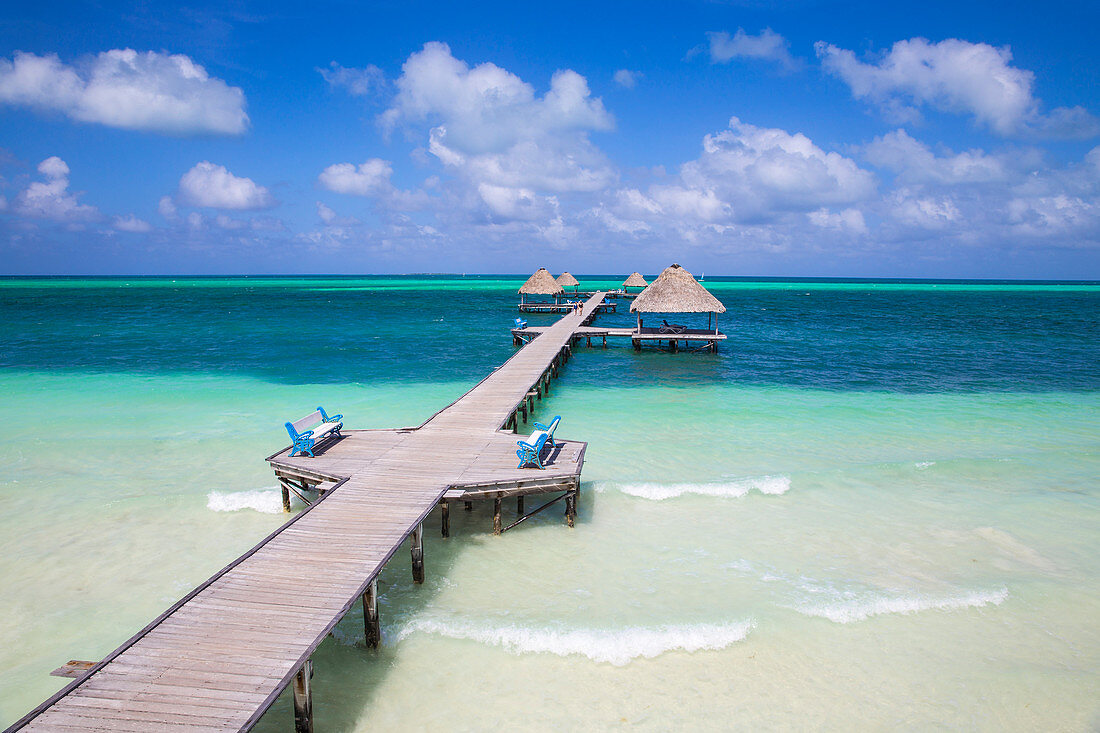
x,y
418,553
303,699
371,627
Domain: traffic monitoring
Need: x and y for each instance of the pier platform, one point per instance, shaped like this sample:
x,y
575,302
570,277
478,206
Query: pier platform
x,y
564,307
690,338
220,656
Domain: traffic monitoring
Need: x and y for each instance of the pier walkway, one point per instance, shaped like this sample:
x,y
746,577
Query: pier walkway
x,y
219,657
706,339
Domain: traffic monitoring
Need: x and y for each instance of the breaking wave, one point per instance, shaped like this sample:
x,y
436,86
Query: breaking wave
x,y
846,612
730,489
614,646
268,501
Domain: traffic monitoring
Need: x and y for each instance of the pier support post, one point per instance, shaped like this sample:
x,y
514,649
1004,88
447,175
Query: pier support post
x,y
371,627
519,505
637,344
303,699
469,506
496,516
286,498
445,516
417,537
571,507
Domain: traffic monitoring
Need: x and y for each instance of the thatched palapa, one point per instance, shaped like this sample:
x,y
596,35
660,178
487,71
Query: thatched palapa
x,y
676,291
566,280
541,283
635,281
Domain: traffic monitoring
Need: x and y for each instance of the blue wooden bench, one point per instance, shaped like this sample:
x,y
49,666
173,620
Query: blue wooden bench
x,y
312,429
520,323
530,450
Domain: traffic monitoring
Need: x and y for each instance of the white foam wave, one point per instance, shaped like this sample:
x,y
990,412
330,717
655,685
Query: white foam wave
x,y
614,646
921,465
268,501
730,489
846,612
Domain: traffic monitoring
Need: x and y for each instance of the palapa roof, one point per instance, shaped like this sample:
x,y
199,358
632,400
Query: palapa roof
x,y
635,281
676,291
541,283
567,281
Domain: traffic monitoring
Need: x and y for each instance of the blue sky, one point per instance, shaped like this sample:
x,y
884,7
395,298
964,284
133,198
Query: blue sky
x,y
753,138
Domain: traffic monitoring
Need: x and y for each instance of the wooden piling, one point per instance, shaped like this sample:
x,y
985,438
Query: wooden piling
x,y
571,508
469,506
303,699
496,516
286,498
372,629
445,516
519,504
417,537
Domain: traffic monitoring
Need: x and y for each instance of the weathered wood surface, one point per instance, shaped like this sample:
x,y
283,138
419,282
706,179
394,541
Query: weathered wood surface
x,y
219,657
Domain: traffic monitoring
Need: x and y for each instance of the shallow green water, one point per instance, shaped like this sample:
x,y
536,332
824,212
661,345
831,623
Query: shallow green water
x,y
877,506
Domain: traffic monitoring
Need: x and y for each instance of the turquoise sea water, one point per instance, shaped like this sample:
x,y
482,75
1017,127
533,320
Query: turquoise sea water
x,y
875,507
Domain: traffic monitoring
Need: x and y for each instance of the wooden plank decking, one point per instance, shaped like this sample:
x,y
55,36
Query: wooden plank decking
x,y
219,657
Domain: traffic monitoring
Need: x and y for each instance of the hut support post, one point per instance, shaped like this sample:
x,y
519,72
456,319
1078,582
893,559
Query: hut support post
x,y
496,516
286,498
445,518
371,628
303,699
418,553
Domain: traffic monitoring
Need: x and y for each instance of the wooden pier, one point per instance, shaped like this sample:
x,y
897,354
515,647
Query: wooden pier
x,y
221,655
704,339
564,307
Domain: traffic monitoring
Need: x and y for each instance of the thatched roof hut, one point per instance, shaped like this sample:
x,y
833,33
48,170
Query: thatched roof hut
x,y
567,281
676,291
541,283
635,281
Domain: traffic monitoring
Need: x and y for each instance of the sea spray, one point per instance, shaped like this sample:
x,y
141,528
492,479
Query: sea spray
x,y
733,489
862,608
268,500
613,646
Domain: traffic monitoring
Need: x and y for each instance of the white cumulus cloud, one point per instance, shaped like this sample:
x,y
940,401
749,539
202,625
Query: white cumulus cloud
x,y
626,78
357,82
131,223
492,131
368,179
215,187
758,171
916,162
955,76
767,46
150,91
849,219
51,198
